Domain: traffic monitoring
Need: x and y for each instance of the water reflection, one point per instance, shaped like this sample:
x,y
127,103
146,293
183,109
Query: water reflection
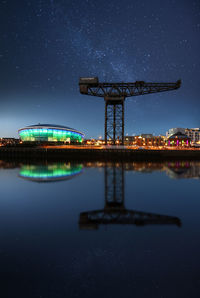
x,y
179,170
56,171
173,169
50,172
45,240
114,211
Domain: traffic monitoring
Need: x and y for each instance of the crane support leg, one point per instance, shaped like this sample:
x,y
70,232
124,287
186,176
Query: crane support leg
x,y
106,119
114,121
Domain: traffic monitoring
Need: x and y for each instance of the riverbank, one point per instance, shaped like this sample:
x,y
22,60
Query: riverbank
x,y
51,153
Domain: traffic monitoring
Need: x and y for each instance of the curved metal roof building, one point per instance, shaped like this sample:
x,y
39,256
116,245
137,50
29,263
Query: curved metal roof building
x,y
50,133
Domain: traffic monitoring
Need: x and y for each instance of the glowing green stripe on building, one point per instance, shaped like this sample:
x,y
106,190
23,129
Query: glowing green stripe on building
x,y
48,133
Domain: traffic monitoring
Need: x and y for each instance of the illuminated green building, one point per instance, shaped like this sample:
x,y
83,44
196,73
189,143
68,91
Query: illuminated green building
x,y
50,133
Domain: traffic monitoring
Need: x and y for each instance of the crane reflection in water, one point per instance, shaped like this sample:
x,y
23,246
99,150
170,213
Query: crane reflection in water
x,y
114,211
50,172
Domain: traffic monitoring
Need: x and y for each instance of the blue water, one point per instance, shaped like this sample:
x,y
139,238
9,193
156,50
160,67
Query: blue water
x,y
47,251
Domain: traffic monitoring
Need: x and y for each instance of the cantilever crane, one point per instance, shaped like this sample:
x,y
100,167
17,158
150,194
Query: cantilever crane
x,y
114,95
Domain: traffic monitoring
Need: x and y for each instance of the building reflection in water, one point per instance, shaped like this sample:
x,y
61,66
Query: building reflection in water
x,y
50,172
114,211
179,170
174,169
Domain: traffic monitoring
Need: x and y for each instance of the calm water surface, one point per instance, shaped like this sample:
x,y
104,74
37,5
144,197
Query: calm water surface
x,y
100,229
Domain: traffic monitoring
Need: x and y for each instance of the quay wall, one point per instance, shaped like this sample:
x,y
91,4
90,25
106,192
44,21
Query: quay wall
x,y
96,154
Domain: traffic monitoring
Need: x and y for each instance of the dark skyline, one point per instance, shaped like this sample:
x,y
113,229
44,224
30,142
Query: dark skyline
x,y
47,45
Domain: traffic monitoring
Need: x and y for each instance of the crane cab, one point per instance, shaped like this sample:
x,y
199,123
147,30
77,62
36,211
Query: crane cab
x,y
84,83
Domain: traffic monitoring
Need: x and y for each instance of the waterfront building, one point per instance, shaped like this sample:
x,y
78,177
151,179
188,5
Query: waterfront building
x,y
50,133
9,141
175,130
192,133
147,135
149,140
179,140
129,140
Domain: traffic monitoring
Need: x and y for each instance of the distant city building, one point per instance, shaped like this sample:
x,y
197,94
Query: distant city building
x,y
128,140
179,140
95,142
50,133
173,131
9,141
147,135
149,140
192,133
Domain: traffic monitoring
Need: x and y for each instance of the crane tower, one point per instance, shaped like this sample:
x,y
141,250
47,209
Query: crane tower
x,y
114,95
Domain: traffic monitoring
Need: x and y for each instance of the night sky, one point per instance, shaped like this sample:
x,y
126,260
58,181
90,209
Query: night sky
x,y
46,45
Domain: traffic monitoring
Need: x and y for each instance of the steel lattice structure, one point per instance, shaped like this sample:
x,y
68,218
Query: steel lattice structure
x,y
114,211
114,95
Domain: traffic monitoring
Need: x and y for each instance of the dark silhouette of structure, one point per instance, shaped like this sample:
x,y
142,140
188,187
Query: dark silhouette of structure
x,y
114,211
114,95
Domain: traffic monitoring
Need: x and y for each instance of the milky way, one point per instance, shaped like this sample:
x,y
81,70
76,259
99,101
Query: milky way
x,y
47,45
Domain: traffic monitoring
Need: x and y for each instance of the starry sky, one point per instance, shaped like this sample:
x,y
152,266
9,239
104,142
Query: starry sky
x,y
46,45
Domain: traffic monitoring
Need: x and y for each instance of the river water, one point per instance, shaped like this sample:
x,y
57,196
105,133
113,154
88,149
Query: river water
x,y
100,229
